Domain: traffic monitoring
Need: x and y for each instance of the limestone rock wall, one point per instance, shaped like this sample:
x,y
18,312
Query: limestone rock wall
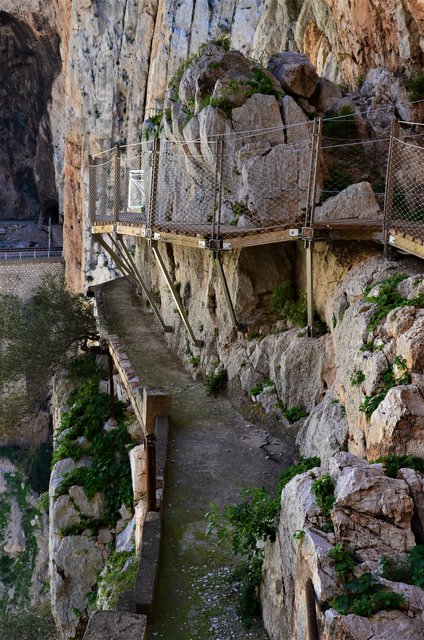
x,y
371,517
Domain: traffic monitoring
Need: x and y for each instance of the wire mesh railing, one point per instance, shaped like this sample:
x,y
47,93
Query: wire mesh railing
x,y
406,208
243,183
250,182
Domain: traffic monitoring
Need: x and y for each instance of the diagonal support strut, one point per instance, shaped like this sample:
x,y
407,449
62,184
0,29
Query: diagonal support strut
x,y
224,283
127,268
175,295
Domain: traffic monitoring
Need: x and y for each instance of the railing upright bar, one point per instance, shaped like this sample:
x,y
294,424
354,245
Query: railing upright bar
x,y
91,189
153,190
117,201
215,191
307,232
220,186
388,192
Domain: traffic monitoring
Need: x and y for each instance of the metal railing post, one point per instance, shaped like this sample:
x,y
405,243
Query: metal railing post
x,y
220,187
91,189
308,230
388,192
117,201
153,191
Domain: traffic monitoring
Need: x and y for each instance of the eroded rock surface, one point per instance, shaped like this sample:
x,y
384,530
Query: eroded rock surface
x,y
371,517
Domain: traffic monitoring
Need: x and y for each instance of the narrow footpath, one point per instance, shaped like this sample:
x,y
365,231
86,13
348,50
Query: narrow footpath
x,y
214,453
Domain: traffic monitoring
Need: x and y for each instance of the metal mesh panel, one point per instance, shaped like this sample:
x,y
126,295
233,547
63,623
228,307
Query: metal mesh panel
x,y
102,188
183,195
406,210
133,185
265,181
358,170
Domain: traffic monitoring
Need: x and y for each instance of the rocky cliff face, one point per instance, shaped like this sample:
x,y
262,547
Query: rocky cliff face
x,y
371,519
117,60
29,49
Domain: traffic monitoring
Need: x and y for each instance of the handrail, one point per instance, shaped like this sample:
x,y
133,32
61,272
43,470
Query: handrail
x,y
30,254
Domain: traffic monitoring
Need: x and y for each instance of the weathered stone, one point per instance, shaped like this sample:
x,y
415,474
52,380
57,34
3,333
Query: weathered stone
x,y
295,72
356,201
372,513
73,574
327,96
397,425
90,507
415,481
324,431
299,125
385,625
63,513
58,472
119,626
14,537
138,471
398,321
126,539
410,344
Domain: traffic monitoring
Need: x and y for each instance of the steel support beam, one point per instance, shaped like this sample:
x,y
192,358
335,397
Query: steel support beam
x,y
225,288
134,275
175,295
388,193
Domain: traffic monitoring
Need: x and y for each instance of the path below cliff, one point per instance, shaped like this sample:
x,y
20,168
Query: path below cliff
x,y
214,453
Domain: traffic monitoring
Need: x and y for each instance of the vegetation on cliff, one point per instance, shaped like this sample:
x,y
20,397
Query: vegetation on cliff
x,y
35,335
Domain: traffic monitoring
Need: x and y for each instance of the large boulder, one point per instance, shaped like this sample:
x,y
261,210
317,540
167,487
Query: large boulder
x,y
356,201
295,72
372,513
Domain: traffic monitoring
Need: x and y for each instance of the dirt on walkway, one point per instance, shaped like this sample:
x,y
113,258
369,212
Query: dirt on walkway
x,y
214,454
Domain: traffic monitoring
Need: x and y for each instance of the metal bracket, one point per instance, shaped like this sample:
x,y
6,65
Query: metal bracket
x,y
307,233
294,233
392,239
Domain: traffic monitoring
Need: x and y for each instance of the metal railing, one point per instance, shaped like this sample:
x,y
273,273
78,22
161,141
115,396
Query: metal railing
x,y
32,254
405,193
249,182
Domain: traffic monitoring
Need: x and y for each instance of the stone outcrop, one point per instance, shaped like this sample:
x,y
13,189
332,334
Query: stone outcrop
x,y
371,517
23,540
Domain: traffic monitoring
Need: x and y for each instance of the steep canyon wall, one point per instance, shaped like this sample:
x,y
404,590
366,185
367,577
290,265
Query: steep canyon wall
x,y
114,62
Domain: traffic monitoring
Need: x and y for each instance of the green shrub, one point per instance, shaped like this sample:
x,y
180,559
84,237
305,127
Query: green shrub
x,y
323,490
108,449
340,124
292,414
393,464
117,576
260,386
365,597
415,87
215,382
247,526
389,298
343,560
370,403
356,378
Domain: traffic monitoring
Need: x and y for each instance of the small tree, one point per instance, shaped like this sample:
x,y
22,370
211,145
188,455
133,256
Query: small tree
x,y
35,335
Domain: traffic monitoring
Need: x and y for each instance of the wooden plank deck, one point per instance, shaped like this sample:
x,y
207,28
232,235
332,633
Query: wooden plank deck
x,y
198,235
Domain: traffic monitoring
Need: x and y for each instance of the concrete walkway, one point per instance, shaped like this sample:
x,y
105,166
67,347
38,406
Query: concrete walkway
x,y
214,454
